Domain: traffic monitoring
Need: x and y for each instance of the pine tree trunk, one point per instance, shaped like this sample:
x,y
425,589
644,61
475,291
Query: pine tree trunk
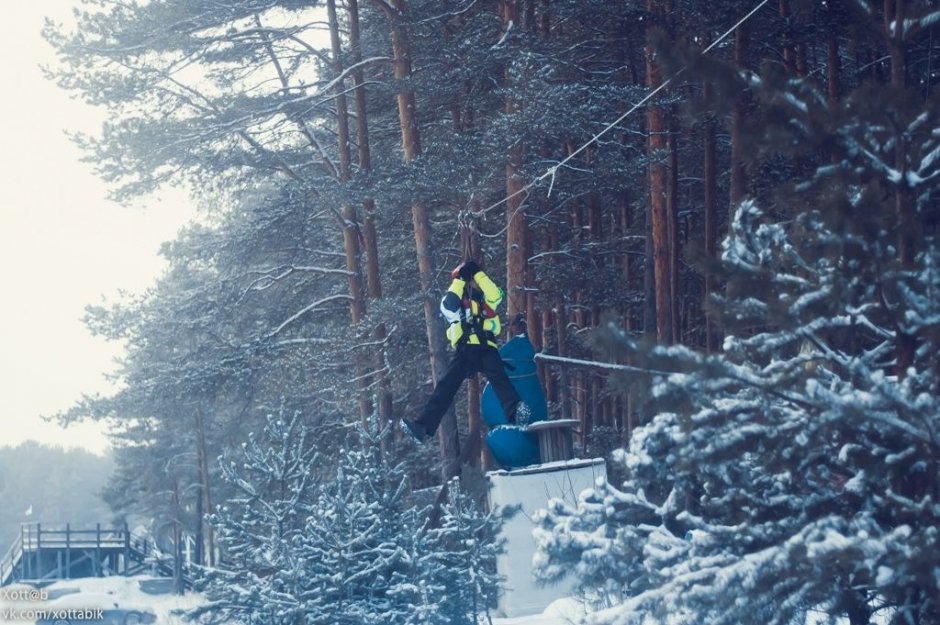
x,y
626,313
801,68
561,335
738,171
833,69
407,108
894,13
421,222
532,314
595,400
672,210
516,227
199,537
519,249
580,382
710,168
658,181
789,50
545,375
529,22
207,542
342,114
348,222
474,417
178,582
556,379
649,278
370,236
595,228
351,235
470,243
578,398
794,53
373,273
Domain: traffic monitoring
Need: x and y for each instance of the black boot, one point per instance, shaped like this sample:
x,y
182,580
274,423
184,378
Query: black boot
x,y
523,414
415,431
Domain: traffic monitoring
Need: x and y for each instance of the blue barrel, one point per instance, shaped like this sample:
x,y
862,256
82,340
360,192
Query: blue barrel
x,y
512,446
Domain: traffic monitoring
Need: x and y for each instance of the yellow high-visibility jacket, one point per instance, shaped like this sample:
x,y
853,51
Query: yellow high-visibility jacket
x,y
471,315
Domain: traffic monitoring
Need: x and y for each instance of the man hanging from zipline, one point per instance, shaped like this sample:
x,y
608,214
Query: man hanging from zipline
x,y
469,307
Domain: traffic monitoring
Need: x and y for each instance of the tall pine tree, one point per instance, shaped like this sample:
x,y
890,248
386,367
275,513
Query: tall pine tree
x,y
797,470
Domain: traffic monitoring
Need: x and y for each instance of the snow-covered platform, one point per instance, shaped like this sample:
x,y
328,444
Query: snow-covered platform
x,y
530,488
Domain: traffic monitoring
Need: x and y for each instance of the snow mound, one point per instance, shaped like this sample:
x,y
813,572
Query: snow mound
x,y
104,593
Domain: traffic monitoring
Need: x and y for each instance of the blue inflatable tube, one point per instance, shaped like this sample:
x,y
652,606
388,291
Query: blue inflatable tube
x,y
512,446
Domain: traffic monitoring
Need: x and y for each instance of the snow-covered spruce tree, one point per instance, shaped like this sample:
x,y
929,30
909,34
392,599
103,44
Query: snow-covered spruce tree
x,y
369,557
462,559
797,471
307,543
276,479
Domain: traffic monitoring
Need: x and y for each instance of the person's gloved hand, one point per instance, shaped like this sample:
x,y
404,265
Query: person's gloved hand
x,y
468,270
456,272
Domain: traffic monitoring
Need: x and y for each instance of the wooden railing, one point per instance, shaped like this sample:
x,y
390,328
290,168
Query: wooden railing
x,y
25,554
8,563
35,536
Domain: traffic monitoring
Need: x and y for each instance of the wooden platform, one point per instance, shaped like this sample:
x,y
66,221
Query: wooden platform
x,y
555,439
45,553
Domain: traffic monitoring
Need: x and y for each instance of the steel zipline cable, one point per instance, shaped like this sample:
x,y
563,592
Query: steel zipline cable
x,y
553,170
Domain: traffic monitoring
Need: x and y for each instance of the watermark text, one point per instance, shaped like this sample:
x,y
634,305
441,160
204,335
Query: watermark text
x,y
10,615
23,594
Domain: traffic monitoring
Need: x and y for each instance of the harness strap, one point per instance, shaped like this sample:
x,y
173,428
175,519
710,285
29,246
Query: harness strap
x,y
473,326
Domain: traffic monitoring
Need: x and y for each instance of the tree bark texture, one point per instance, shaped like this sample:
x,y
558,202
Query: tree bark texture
x,y
369,233
894,13
351,232
710,173
421,222
658,182
738,170
207,545
672,211
516,228
833,69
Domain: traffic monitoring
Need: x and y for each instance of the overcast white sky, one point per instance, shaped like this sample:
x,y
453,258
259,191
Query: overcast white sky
x,y
63,245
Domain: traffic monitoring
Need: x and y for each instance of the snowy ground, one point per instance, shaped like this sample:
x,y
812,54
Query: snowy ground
x,y
125,593
561,612
92,593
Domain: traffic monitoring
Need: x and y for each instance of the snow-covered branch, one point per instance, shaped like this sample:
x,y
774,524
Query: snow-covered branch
x,y
502,40
306,309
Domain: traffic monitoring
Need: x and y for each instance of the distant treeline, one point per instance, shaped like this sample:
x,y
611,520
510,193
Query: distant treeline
x,y
45,484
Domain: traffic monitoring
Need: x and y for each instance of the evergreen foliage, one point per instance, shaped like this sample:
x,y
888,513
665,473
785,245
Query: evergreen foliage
x,y
51,485
794,472
306,541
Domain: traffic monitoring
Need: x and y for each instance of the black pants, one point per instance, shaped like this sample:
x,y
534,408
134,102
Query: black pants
x,y
468,360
